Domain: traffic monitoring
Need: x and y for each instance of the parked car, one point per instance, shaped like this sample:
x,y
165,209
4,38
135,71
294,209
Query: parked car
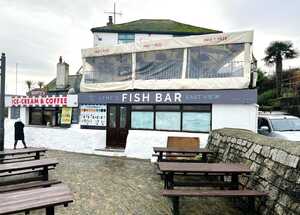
x,y
281,126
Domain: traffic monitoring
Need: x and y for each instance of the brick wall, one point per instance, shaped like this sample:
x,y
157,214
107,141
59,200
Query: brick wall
x,y
275,164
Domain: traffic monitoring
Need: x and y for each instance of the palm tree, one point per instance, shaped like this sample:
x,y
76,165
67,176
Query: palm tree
x,y
276,52
29,84
40,84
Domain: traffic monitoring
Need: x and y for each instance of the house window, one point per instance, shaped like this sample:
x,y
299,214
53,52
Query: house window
x,y
125,38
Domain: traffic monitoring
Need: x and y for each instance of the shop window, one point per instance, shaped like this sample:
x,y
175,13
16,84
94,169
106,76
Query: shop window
x,y
195,121
142,120
126,37
168,121
15,112
191,118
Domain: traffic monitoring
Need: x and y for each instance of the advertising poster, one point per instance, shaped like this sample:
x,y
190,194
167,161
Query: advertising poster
x,y
66,115
93,115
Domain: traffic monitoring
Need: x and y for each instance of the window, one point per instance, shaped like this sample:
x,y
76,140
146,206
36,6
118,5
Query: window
x,y
194,121
190,118
217,61
142,119
159,65
125,38
112,68
168,121
15,112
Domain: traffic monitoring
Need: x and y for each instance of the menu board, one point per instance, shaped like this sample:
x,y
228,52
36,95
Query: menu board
x,y
66,115
93,115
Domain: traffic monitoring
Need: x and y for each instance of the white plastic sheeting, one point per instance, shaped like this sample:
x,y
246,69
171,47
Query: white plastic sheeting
x,y
215,61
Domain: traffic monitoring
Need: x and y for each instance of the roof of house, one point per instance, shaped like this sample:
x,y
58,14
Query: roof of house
x,y
73,82
157,26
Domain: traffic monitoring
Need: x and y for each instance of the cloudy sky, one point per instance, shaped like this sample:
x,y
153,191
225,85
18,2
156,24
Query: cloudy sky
x,y
34,33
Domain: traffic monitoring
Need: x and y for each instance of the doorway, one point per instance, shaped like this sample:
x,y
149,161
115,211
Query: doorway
x,y
118,121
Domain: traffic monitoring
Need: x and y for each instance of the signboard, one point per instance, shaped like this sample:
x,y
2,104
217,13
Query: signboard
x,y
66,115
247,96
68,101
93,115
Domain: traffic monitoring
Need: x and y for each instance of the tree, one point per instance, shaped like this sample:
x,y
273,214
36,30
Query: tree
x,y
29,84
276,52
40,84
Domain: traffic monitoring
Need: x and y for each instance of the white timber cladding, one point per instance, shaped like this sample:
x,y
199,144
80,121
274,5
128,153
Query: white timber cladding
x,y
241,82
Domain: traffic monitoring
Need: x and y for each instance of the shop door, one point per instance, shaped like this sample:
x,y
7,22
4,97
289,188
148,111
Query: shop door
x,y
117,126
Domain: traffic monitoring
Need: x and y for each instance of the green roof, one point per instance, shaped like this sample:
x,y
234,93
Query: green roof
x,y
73,82
157,26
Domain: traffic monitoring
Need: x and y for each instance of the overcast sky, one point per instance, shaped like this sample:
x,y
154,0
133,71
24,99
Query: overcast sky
x,y
34,33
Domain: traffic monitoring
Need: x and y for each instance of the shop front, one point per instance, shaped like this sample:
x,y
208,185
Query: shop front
x,y
48,111
194,112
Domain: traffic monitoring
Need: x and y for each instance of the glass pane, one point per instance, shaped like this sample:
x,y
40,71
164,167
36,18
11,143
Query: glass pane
x,y
142,107
36,118
167,107
142,119
113,68
168,121
15,112
162,64
196,108
216,61
192,121
123,117
112,116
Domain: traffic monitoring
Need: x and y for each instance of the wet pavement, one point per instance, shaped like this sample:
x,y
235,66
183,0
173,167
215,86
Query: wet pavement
x,y
120,186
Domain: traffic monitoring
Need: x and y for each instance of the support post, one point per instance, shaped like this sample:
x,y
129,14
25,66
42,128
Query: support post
x,y
2,101
50,210
175,201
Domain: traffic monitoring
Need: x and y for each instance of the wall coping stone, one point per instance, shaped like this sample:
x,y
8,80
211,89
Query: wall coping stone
x,y
291,147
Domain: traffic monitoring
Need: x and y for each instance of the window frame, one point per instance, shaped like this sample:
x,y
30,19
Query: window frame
x,y
127,40
154,110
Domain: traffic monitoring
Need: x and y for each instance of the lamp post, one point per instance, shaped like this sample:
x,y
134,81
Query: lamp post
x,y
2,101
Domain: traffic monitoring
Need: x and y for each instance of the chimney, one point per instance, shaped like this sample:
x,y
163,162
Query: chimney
x,y
110,21
62,74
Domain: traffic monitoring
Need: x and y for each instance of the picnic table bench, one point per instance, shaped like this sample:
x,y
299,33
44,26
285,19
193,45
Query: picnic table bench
x,y
38,198
165,153
228,169
17,155
25,167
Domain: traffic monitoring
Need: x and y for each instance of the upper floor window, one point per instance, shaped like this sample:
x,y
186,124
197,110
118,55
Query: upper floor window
x,y
125,38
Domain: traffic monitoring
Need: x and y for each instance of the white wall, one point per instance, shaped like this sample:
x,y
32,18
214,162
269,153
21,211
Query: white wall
x,y
71,139
106,39
234,116
112,38
140,143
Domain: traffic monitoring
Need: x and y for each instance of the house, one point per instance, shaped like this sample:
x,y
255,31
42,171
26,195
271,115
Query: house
x,y
143,29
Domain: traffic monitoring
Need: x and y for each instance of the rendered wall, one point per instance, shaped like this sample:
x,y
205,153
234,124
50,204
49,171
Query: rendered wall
x,y
234,116
71,139
275,164
112,38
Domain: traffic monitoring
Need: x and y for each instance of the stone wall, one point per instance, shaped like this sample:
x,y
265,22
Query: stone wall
x,y
275,164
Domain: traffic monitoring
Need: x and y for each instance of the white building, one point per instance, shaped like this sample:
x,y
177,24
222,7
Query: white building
x,y
169,79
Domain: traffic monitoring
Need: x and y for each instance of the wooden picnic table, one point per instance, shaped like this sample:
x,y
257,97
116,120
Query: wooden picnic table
x,y
27,200
28,167
180,152
231,169
17,154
